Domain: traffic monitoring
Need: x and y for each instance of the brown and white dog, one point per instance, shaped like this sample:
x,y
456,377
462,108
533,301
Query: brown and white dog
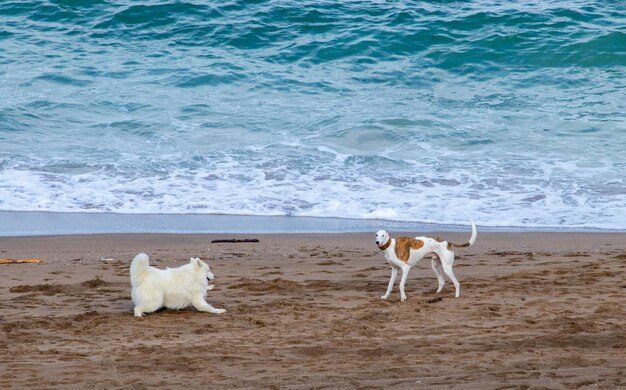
x,y
402,253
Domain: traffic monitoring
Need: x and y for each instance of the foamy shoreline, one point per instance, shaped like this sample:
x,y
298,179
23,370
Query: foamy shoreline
x,y
36,223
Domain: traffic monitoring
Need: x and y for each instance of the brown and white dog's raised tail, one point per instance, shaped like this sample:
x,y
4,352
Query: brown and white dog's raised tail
x,y
472,239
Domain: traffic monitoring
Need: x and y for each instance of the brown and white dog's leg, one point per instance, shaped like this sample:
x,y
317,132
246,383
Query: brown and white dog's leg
x,y
447,259
405,274
457,286
436,264
392,280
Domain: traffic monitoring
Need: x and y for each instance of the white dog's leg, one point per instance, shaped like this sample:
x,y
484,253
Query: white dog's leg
x,y
146,299
201,305
436,264
392,280
405,274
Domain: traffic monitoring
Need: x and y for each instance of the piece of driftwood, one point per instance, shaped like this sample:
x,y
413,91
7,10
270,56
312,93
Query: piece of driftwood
x,y
12,261
236,240
435,299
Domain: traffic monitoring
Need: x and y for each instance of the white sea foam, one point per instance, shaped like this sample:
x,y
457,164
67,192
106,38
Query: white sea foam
x,y
487,192
384,213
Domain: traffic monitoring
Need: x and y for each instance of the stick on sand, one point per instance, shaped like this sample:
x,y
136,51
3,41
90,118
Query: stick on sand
x,y
236,240
12,261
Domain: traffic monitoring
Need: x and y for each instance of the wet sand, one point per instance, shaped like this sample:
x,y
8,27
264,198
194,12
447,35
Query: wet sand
x,y
537,311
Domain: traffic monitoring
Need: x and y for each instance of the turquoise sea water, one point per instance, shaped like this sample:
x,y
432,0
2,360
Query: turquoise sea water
x,y
512,113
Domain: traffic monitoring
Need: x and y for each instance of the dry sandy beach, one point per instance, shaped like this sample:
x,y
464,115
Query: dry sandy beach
x,y
537,311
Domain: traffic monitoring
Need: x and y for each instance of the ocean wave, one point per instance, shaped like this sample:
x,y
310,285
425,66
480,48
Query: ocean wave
x,y
512,113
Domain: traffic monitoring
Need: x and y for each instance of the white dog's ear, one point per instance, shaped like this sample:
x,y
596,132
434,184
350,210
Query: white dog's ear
x,y
199,264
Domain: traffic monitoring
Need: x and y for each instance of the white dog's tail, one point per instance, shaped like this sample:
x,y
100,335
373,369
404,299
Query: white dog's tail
x,y
472,239
139,269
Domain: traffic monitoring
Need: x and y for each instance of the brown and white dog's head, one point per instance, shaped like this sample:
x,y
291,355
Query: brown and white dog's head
x,y
382,238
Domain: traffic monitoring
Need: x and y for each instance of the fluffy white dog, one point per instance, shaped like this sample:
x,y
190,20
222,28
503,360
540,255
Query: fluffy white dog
x,y
174,288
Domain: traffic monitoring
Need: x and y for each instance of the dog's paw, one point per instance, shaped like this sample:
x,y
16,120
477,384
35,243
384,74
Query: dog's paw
x,y
402,299
210,287
219,311
384,297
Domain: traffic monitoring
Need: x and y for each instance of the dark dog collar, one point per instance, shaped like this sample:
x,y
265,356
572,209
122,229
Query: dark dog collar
x,y
382,248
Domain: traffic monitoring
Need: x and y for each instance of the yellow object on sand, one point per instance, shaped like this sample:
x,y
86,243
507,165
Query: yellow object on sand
x,y
11,261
